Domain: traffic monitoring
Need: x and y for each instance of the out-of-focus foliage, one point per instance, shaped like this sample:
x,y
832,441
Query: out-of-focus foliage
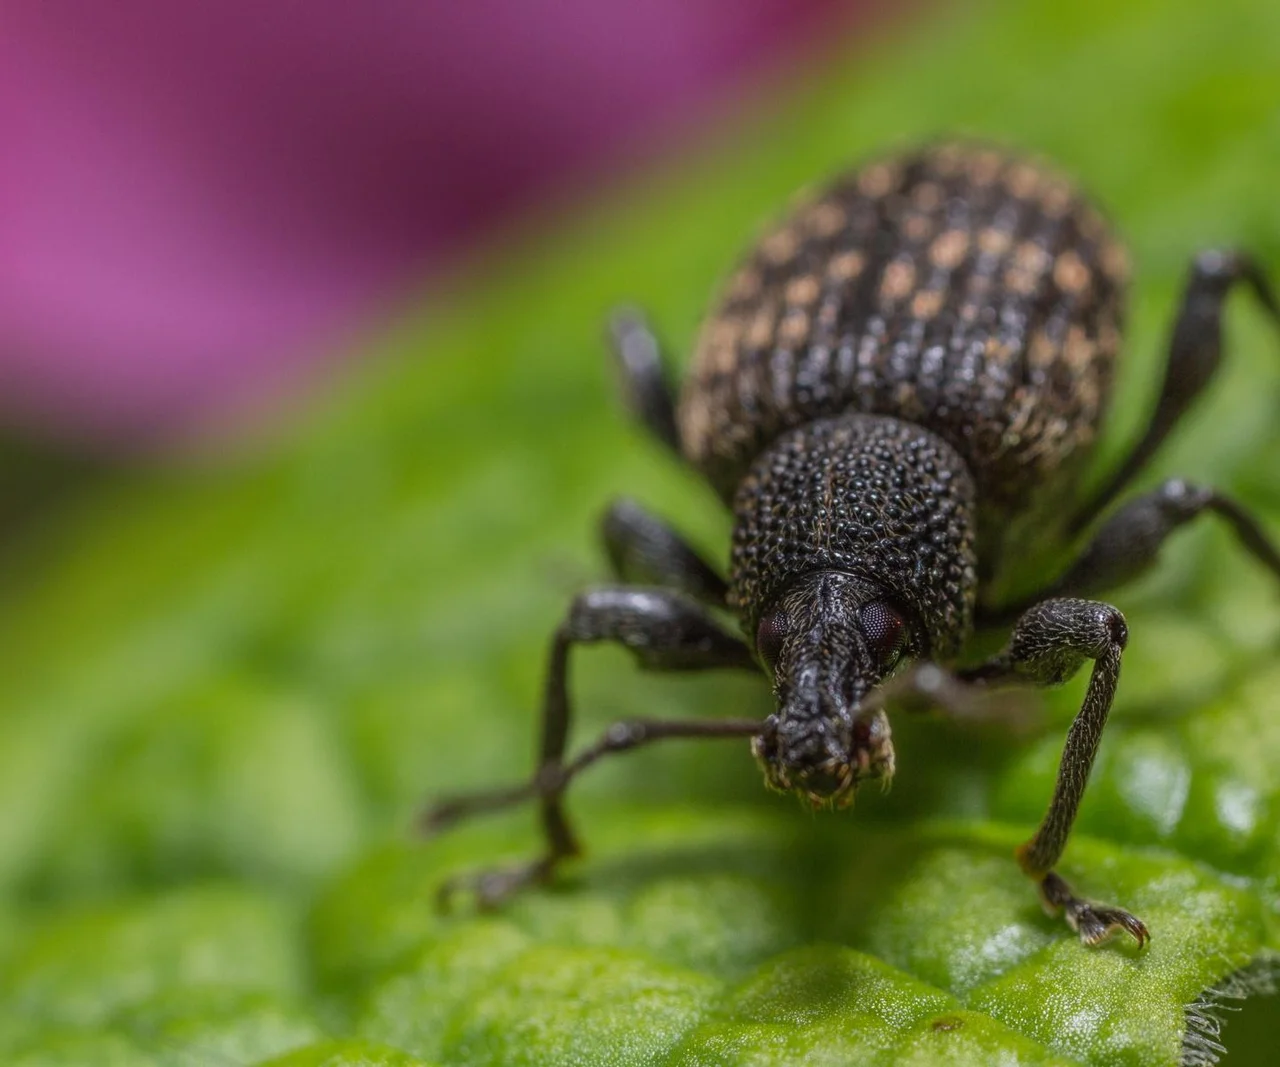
x,y
223,700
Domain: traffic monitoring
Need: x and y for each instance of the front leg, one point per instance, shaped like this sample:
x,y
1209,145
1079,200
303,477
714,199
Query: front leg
x,y
666,631
1049,644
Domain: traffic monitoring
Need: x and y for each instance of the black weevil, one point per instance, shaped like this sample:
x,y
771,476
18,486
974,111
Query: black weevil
x,y
896,390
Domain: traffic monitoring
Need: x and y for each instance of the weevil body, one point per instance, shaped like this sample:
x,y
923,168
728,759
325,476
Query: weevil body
x,y
972,295
898,386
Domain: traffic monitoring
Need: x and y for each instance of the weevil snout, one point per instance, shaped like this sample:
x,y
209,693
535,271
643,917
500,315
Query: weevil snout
x,y
824,761
831,640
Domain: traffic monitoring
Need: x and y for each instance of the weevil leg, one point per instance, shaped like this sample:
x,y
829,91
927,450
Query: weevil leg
x,y
1195,351
645,550
1048,645
646,390
1128,543
666,631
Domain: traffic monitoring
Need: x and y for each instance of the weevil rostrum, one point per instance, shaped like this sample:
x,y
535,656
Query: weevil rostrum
x,y
899,383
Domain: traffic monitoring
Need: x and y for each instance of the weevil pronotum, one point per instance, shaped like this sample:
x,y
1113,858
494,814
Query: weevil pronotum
x,y
898,383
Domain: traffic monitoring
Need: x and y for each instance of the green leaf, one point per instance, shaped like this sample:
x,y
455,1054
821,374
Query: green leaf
x,y
345,1054
229,691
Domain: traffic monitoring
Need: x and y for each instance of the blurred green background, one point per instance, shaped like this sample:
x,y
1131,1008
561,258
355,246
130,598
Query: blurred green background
x,y
228,691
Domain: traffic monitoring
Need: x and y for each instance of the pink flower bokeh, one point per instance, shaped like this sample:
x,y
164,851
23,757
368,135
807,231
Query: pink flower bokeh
x,y
197,200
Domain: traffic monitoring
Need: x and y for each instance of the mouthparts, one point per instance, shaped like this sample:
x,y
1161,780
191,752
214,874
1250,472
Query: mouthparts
x,y
824,762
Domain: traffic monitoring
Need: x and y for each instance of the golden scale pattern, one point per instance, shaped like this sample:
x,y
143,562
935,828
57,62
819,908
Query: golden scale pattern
x,y
958,287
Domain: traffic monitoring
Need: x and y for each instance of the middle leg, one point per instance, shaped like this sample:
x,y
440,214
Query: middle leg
x,y
1128,543
644,550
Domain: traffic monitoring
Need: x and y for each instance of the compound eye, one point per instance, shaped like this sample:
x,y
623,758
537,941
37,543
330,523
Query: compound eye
x,y
770,634
886,633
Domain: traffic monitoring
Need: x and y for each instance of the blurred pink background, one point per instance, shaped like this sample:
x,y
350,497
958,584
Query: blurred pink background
x,y
197,202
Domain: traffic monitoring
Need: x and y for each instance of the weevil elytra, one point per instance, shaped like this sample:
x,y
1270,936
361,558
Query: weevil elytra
x,y
900,375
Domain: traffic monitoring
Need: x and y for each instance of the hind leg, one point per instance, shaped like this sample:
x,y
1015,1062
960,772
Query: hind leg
x,y
646,389
1195,351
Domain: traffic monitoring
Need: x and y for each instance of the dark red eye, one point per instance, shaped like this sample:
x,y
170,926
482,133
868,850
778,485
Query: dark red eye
x,y
770,634
885,631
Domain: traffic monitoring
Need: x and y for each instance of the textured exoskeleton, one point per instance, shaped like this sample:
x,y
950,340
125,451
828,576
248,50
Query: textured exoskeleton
x,y
894,394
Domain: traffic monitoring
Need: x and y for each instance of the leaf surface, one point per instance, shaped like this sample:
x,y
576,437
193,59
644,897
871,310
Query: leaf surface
x,y
227,694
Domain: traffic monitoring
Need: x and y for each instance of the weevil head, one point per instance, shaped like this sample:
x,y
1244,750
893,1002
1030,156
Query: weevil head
x,y
828,642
